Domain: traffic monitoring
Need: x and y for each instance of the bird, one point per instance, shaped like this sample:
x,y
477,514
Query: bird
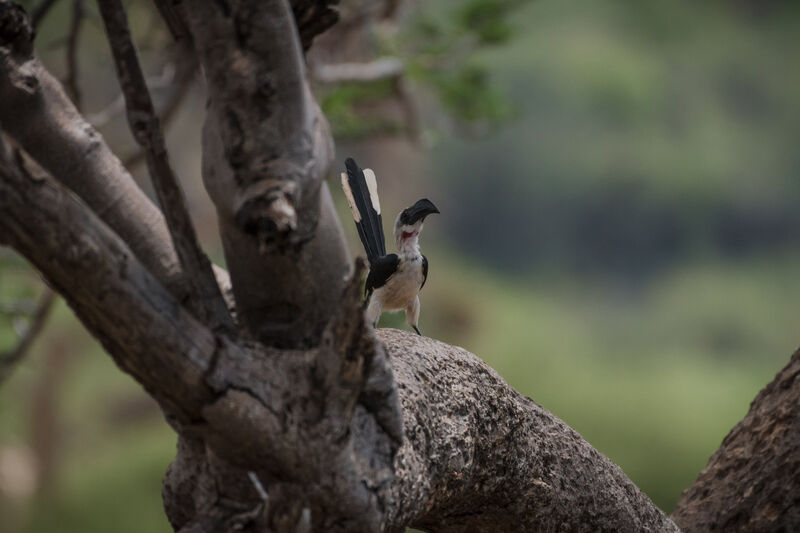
x,y
394,280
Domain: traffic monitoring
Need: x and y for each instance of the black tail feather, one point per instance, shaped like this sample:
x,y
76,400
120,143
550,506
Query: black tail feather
x,y
370,225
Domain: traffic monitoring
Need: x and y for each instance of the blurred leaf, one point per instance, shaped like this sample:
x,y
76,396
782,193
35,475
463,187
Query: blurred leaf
x,y
469,96
341,106
488,19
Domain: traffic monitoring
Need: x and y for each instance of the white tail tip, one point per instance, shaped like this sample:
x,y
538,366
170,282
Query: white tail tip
x,y
372,185
349,195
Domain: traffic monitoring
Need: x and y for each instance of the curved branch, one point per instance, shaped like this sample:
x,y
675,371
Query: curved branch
x,y
752,481
140,324
478,456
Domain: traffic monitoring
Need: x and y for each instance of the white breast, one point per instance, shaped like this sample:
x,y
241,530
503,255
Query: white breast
x,y
401,289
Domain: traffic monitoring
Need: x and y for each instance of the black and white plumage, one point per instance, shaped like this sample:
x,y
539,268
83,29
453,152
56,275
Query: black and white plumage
x,y
394,280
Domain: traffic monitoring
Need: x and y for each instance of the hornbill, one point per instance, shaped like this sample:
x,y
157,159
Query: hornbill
x,y
394,280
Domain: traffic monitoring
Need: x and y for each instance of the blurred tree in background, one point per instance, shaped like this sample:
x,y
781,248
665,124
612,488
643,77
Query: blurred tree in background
x,y
619,235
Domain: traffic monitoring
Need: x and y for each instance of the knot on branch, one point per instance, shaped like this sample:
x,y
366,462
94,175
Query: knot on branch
x,y
146,129
267,210
16,29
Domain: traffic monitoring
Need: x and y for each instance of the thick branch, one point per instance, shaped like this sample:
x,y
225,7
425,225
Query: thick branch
x,y
318,427
37,113
479,457
262,107
266,149
205,296
752,482
140,324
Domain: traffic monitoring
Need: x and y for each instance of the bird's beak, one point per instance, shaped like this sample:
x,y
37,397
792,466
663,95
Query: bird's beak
x,y
421,209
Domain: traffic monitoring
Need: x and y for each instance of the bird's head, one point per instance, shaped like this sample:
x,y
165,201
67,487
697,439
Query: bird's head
x,y
409,222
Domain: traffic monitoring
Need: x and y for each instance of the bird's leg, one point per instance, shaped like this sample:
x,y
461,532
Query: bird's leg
x,y
374,310
412,315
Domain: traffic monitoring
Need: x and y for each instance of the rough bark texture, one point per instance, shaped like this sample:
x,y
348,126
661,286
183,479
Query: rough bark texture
x,y
204,298
293,422
37,113
478,456
319,427
119,301
266,152
752,482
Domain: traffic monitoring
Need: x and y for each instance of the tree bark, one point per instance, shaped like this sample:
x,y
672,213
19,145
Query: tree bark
x,y
478,456
266,151
37,113
205,297
115,296
752,482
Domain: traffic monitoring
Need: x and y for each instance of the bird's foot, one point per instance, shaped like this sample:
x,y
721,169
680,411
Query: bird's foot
x,y
417,330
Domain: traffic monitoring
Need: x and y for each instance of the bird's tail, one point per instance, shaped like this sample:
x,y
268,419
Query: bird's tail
x,y
361,190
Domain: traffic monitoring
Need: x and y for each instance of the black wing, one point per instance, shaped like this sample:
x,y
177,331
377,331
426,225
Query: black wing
x,y
369,222
424,271
380,271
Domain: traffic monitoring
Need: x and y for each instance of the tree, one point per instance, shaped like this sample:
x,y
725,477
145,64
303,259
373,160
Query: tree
x,y
291,413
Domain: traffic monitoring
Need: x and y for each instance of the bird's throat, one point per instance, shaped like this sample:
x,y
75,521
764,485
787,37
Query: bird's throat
x,y
408,242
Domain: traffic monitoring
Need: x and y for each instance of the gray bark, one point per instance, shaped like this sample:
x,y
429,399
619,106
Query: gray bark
x,y
114,295
752,482
478,456
266,151
205,297
303,420
37,113
342,430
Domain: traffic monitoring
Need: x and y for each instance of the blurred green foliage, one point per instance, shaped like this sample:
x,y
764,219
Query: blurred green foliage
x,y
650,133
341,105
110,445
438,47
487,20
